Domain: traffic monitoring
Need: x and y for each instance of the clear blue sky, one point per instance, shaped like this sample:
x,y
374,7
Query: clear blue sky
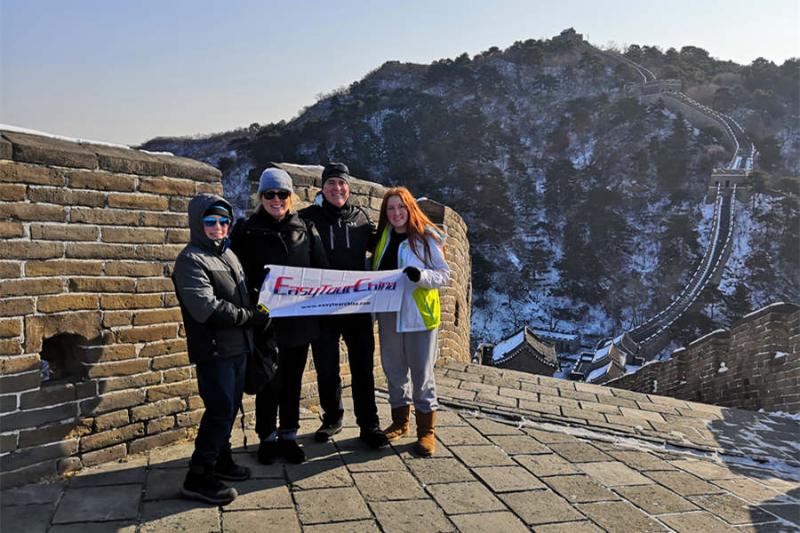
x,y
128,70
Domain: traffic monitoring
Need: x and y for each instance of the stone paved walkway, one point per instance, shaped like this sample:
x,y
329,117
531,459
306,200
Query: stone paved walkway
x,y
516,453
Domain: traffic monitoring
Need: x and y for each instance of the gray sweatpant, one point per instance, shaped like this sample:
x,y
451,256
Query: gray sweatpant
x,y
408,360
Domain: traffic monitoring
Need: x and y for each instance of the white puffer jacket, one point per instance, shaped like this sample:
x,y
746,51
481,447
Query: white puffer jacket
x,y
420,310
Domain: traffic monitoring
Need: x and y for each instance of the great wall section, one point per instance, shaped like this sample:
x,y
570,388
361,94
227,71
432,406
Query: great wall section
x,y
93,362
646,340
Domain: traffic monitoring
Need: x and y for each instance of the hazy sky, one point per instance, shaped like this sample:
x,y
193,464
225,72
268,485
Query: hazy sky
x,y
129,70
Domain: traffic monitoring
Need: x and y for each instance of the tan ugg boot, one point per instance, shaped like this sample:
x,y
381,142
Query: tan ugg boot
x,y
426,441
400,421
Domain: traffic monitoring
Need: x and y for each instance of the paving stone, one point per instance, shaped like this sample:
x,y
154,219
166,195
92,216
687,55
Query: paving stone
x,y
330,505
549,437
318,475
28,518
178,515
411,516
261,494
546,465
482,456
704,469
466,497
273,520
787,511
95,527
455,436
580,489
99,504
439,470
383,486
318,451
360,526
519,444
656,499
448,417
732,510
257,470
614,474
748,489
117,473
620,517
176,456
487,426
540,507
368,460
164,483
508,478
579,452
698,521
641,460
31,494
683,483
482,522
569,527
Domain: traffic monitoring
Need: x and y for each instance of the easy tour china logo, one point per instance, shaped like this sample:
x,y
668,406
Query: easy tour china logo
x,y
283,287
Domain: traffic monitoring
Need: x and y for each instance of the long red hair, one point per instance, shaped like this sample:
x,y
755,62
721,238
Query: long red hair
x,y
417,221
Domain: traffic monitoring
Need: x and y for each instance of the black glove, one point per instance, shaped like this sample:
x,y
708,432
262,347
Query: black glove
x,y
412,273
259,320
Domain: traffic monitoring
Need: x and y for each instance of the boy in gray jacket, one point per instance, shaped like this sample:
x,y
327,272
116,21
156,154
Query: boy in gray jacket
x,y
219,322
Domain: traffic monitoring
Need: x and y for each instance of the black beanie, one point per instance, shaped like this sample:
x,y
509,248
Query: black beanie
x,y
218,209
335,170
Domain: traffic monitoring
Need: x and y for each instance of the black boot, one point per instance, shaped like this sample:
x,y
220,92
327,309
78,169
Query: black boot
x,y
268,451
291,451
225,468
328,430
201,484
374,437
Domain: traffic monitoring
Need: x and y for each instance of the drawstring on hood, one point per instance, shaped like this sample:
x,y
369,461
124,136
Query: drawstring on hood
x,y
197,209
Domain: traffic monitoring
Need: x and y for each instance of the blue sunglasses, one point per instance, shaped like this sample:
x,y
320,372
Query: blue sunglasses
x,y
210,222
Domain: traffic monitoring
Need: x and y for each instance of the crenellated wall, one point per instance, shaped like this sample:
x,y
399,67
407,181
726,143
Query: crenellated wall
x,y
89,235
754,365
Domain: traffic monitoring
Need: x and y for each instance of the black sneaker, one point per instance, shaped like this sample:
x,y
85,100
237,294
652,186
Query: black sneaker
x,y
201,484
291,451
268,451
225,468
374,437
327,430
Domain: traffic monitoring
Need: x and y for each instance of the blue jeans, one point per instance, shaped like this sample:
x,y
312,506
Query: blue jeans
x,y
220,382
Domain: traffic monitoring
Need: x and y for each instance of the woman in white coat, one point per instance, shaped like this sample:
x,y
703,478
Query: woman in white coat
x,y
408,240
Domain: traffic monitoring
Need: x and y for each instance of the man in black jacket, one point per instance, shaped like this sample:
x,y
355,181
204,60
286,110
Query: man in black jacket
x,y
346,232
219,323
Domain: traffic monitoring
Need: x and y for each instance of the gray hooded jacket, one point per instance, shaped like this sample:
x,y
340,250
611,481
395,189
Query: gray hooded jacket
x,y
210,285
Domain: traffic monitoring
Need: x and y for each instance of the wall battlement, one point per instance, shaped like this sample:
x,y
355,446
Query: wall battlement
x,y
753,365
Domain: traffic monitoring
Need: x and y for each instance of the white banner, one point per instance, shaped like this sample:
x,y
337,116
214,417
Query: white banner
x,y
293,291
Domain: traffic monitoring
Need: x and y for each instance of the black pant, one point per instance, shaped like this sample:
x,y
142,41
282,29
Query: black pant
x,y
360,341
220,382
282,394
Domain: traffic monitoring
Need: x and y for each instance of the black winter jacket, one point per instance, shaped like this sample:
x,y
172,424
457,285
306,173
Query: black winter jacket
x,y
261,240
210,285
346,234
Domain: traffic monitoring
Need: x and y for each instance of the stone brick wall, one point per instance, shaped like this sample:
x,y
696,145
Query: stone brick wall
x,y
754,365
90,233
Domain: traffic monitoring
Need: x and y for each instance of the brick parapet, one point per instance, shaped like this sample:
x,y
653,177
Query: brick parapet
x,y
754,365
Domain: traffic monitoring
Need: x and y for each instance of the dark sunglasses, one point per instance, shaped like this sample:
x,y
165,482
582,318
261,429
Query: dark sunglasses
x,y
210,222
269,195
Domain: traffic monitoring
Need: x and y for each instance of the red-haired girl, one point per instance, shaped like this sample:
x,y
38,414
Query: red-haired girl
x,y
408,240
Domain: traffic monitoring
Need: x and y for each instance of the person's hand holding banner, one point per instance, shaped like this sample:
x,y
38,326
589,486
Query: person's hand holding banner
x,y
292,291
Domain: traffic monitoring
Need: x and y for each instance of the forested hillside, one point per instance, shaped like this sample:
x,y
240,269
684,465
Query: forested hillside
x,y
586,210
